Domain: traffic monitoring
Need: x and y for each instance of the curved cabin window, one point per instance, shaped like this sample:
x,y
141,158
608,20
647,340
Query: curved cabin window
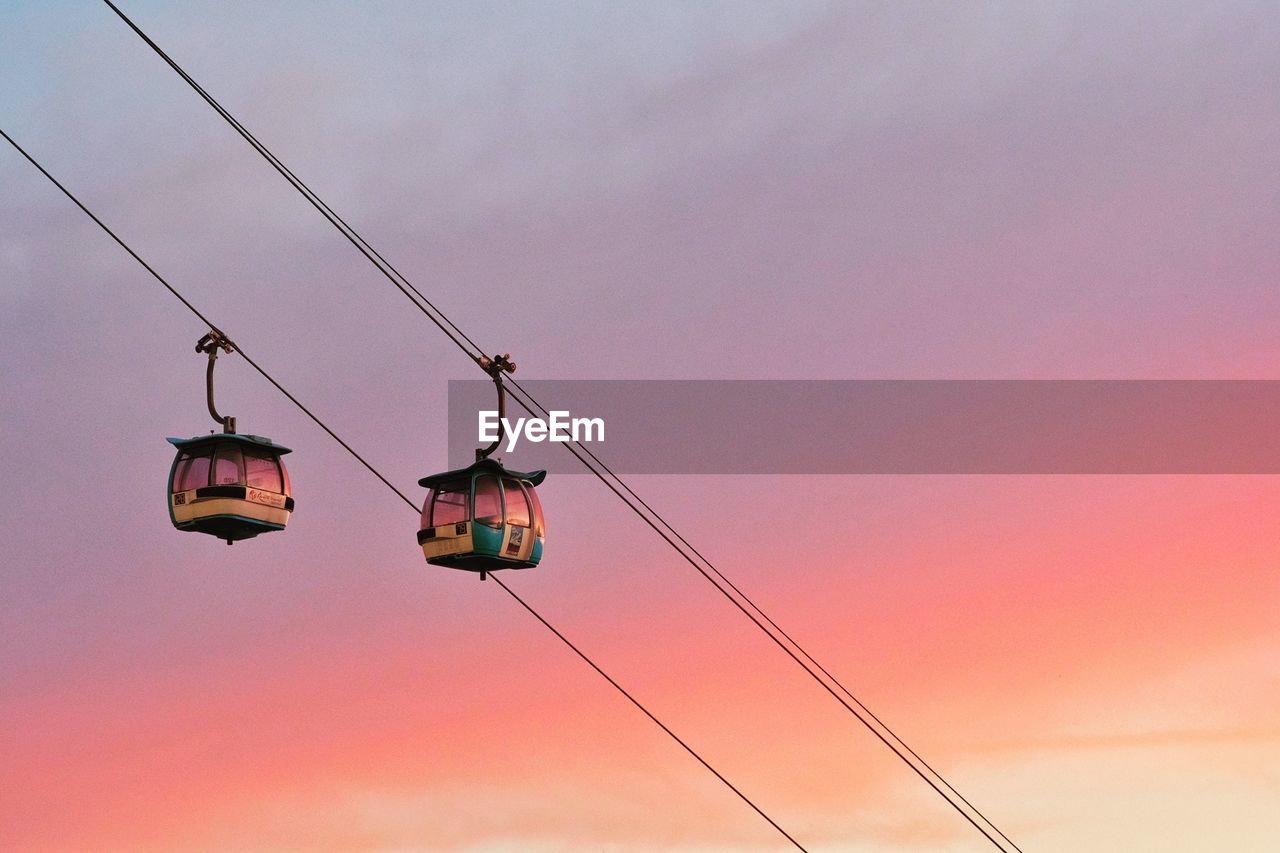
x,y
488,509
539,528
517,504
228,466
447,505
191,472
262,470
426,509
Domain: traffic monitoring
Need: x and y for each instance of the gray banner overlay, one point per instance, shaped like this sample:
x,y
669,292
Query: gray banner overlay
x,y
896,426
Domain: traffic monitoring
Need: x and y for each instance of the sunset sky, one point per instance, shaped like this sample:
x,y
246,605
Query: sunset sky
x,y
796,190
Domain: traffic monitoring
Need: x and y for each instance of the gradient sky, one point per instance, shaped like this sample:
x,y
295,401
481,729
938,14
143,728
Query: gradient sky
x,y
657,190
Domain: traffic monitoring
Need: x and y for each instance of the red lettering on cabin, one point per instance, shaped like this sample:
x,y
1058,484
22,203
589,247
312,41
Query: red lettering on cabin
x,y
264,497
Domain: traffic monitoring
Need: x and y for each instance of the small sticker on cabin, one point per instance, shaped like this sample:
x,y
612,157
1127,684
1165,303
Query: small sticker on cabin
x,y
517,538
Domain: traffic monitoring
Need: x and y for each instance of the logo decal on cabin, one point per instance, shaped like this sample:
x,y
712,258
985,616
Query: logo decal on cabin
x,y
258,496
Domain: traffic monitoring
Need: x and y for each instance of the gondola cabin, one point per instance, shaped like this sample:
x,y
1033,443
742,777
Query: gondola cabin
x,y
230,486
482,518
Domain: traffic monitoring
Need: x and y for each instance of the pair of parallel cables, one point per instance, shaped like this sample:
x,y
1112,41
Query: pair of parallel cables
x,y
597,467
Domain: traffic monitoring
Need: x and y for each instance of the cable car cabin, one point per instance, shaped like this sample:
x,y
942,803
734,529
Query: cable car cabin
x,y
482,518
228,485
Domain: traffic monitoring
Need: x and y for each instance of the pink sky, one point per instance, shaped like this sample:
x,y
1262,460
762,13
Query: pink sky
x,y
641,191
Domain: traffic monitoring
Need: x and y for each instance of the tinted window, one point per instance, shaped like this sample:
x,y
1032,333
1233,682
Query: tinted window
x,y
488,501
228,466
449,504
517,506
539,527
426,509
192,472
261,470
